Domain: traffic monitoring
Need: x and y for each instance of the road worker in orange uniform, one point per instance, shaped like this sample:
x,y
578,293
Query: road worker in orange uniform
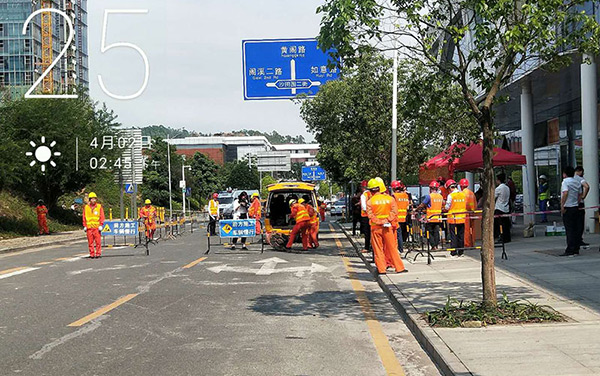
x,y
471,206
455,203
433,203
93,220
322,208
313,231
383,212
302,216
403,203
42,212
255,211
149,213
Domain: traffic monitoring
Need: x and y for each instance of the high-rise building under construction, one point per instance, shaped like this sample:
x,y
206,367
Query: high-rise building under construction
x,y
24,57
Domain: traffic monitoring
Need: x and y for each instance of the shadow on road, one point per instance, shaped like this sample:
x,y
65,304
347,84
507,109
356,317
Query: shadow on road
x,y
339,305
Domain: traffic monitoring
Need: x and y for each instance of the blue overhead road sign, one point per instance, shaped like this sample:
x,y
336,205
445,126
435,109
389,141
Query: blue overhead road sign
x,y
313,173
284,68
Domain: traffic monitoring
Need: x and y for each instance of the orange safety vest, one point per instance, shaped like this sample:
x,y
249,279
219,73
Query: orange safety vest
x,y
301,213
470,199
458,205
314,215
41,211
435,210
368,195
149,214
92,217
255,209
403,203
381,205
213,207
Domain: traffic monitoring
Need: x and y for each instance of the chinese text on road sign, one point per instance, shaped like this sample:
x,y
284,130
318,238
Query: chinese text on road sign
x,y
284,68
120,228
237,228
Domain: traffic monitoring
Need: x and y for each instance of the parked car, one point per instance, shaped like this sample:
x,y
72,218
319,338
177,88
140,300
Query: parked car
x,y
339,207
226,205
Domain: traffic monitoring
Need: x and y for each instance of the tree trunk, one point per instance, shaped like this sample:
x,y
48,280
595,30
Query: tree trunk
x,y
488,274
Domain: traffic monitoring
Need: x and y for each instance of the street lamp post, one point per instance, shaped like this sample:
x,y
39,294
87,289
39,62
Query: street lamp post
x,y
184,187
395,117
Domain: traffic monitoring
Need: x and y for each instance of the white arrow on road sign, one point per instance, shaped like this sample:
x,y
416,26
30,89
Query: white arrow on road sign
x,y
269,265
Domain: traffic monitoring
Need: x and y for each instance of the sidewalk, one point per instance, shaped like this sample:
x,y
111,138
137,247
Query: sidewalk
x,y
533,271
19,244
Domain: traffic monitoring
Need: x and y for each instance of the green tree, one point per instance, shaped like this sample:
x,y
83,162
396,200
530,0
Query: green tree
x,y
156,176
204,177
240,176
63,121
266,181
351,119
506,35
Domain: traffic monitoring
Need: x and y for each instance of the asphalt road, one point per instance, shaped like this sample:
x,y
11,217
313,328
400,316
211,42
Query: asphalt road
x,y
178,312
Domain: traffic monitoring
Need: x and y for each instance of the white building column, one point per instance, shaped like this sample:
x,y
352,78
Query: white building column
x,y
527,134
589,135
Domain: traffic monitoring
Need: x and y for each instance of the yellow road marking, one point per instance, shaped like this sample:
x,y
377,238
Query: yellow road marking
x,y
12,270
194,263
382,345
102,310
44,263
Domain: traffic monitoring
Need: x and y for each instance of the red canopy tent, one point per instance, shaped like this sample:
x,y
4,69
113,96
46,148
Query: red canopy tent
x,y
460,157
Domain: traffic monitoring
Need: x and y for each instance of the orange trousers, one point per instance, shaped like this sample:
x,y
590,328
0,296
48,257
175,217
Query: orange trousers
x,y
43,225
314,232
93,236
322,214
150,229
302,228
383,241
469,236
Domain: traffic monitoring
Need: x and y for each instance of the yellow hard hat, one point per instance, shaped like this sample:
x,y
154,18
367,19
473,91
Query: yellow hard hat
x,y
301,201
147,202
372,184
255,194
382,187
92,195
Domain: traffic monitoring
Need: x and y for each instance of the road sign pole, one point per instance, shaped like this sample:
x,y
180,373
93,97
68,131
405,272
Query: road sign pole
x,y
121,207
395,117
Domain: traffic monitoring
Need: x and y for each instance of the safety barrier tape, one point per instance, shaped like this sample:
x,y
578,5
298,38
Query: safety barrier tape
x,y
437,220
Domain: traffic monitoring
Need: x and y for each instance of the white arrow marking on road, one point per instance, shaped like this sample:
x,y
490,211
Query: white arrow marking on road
x,y
268,268
269,265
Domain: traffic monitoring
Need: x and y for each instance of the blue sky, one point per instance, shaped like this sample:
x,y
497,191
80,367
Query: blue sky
x,y
194,51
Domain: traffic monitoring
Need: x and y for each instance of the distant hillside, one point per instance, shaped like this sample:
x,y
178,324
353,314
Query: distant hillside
x,y
161,131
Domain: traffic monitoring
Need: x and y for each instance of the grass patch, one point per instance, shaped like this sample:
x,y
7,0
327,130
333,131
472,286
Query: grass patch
x,y
18,218
456,313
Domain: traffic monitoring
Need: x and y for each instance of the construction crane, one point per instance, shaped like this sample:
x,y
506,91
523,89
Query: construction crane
x,y
48,82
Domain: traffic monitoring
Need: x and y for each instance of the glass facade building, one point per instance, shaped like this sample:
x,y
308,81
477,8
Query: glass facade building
x,y
21,54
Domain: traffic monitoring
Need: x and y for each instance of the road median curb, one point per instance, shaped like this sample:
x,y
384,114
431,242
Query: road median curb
x,y
442,355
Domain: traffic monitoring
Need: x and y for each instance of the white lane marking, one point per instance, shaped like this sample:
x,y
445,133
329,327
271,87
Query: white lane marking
x,y
75,258
93,325
299,270
269,265
26,270
117,267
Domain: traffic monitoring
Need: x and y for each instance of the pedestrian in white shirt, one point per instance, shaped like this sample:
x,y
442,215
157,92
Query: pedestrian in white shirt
x,y
502,197
571,193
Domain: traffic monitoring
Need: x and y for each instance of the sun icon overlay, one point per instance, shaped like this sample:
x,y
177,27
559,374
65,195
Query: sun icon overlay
x,y
43,154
